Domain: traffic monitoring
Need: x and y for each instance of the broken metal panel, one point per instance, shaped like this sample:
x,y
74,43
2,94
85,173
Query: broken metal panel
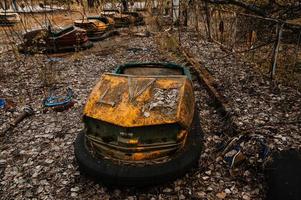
x,y
130,147
131,153
133,101
134,144
134,156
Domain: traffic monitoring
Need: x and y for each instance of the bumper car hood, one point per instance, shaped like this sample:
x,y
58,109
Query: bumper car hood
x,y
134,101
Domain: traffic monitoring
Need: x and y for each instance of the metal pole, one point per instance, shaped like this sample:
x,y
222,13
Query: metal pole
x,y
276,50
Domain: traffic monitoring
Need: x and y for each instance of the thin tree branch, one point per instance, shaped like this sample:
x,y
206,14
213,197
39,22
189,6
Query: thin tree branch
x,y
250,7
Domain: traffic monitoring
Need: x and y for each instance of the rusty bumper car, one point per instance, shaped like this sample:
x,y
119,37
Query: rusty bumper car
x,y
124,19
52,41
95,28
141,126
9,19
109,22
138,18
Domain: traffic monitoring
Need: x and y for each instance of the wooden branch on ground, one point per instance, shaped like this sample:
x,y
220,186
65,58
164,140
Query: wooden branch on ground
x,y
207,80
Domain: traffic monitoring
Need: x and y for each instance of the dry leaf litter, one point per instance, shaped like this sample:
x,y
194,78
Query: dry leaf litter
x,y
37,159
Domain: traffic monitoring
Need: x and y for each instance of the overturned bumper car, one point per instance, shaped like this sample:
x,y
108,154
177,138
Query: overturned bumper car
x,y
52,41
141,126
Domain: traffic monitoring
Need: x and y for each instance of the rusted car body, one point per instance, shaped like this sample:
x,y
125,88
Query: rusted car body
x,y
136,106
47,40
107,20
124,19
95,28
138,18
141,113
9,19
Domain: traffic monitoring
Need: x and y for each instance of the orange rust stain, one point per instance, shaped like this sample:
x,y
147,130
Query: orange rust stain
x,y
111,21
87,24
145,156
181,135
100,25
120,106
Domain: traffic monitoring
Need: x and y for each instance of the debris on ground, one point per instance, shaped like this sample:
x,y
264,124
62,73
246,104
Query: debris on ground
x,y
27,111
38,156
252,150
2,103
142,34
59,103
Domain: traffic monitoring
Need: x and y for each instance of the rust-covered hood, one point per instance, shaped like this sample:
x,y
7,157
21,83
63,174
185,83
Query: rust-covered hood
x,y
132,101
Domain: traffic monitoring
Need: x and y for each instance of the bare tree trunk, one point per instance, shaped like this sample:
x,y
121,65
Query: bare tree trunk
x,y
208,20
297,52
125,5
83,6
90,3
196,11
5,6
171,13
234,33
180,21
185,9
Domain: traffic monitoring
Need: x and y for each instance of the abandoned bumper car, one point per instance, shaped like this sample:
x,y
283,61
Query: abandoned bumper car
x,y
96,29
124,19
141,126
138,18
9,18
48,40
109,22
